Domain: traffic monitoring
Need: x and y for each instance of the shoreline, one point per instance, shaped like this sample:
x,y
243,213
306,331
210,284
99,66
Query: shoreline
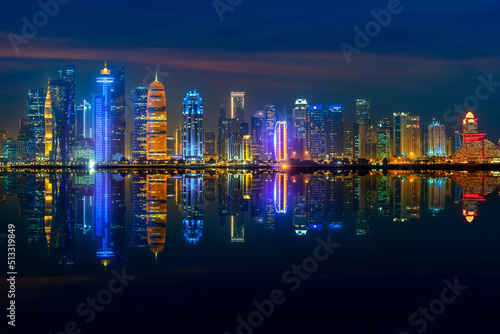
x,y
298,167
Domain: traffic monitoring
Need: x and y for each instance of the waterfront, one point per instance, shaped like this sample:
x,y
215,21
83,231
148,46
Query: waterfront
x,y
204,246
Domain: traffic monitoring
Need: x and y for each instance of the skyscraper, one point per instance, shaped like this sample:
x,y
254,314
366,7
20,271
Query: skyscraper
x,y
222,129
192,127
68,75
157,122
103,121
280,141
315,133
139,106
210,144
257,133
62,113
334,129
436,140
24,140
238,106
117,111
299,128
363,118
3,138
406,136
271,119
36,103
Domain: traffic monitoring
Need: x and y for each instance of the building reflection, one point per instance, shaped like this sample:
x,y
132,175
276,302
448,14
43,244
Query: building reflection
x,y
475,185
64,210
156,211
192,207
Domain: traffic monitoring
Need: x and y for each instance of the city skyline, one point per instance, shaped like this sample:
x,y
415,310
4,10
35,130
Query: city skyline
x,y
425,77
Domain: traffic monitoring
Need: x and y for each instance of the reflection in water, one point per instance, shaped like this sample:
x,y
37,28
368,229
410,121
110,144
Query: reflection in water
x,y
60,206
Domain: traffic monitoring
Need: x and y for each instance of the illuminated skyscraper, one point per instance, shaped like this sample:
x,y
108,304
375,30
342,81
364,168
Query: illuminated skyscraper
x,y
192,127
210,144
68,75
36,103
178,140
48,124
3,137
384,139
103,122
118,112
139,105
363,118
257,133
334,129
271,119
436,140
238,106
406,136
280,141
348,143
62,111
157,122
315,133
222,132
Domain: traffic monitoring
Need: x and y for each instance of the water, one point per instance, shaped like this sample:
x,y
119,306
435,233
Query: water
x,y
204,246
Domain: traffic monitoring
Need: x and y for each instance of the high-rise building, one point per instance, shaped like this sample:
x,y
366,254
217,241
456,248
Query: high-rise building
x,y
68,75
103,121
436,140
10,149
24,140
271,119
62,115
334,130
363,118
413,137
280,141
157,122
257,133
238,106
348,143
458,140
315,133
383,141
140,110
170,146
178,140
210,151
48,122
117,111
36,104
299,129
192,127
3,138
222,132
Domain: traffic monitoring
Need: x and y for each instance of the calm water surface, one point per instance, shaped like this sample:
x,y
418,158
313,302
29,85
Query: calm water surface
x,y
205,248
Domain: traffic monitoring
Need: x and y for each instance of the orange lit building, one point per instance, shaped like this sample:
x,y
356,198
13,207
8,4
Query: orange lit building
x,y
156,122
48,124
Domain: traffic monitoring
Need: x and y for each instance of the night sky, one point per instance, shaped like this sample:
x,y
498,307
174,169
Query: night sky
x,y
427,59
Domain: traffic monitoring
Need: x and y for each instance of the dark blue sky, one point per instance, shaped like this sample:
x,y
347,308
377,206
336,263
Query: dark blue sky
x,y
427,59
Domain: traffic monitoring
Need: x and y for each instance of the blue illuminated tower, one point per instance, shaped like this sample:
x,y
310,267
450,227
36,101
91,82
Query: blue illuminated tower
x,y
103,124
192,127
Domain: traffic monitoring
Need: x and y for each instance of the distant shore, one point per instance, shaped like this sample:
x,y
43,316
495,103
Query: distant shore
x,y
283,167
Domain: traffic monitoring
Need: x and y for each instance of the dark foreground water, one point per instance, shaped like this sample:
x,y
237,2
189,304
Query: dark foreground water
x,y
148,252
